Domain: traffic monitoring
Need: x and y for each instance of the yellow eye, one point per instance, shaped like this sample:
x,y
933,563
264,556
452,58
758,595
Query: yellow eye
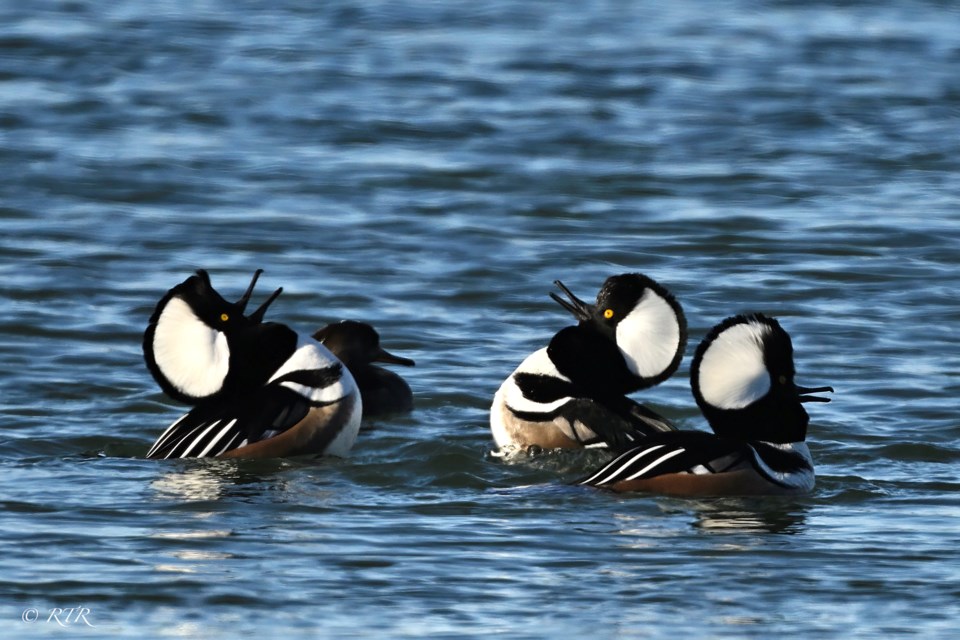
x,y
783,379
608,313
224,317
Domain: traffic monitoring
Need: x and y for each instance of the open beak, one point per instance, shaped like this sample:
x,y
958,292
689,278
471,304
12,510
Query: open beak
x,y
257,316
385,356
804,393
245,298
580,309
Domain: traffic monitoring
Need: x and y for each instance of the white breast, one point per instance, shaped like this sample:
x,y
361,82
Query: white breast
x,y
311,355
538,363
509,397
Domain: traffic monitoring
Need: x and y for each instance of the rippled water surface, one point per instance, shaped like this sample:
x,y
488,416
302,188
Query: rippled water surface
x,y
431,168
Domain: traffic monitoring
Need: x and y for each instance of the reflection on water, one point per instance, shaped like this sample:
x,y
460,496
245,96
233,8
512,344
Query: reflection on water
x,y
197,548
771,515
196,484
207,479
652,518
193,530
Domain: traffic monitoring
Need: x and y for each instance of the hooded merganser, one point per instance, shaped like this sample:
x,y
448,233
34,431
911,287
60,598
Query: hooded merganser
x,y
258,389
357,345
742,377
573,392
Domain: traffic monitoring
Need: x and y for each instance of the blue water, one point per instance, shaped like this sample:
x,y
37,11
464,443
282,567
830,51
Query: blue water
x,y
431,168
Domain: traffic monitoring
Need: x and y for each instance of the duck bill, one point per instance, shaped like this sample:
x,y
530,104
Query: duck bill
x,y
257,316
580,309
245,298
805,394
385,356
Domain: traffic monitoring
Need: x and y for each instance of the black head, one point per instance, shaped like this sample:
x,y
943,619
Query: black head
x,y
198,345
356,344
742,378
643,320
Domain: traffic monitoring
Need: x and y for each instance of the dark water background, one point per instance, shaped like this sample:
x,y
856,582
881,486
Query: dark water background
x,y
432,167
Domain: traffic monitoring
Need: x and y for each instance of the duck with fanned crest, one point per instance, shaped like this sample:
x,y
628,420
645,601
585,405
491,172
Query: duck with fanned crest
x,y
573,393
258,389
742,377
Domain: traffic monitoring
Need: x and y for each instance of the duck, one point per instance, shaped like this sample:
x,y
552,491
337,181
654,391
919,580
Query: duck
x,y
573,392
257,389
357,345
743,380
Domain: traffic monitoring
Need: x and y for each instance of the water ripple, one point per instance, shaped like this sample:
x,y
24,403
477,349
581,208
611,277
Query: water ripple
x,y
432,169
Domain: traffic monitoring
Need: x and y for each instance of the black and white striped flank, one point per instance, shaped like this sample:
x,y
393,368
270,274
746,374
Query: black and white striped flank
x,y
674,452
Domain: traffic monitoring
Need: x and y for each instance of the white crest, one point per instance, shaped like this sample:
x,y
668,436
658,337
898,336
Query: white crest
x,y
732,371
649,336
193,356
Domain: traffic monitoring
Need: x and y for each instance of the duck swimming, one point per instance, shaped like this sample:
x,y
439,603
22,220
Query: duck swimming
x,y
573,392
357,345
742,378
258,389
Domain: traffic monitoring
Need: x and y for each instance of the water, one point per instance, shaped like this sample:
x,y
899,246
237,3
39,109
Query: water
x,y
432,169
